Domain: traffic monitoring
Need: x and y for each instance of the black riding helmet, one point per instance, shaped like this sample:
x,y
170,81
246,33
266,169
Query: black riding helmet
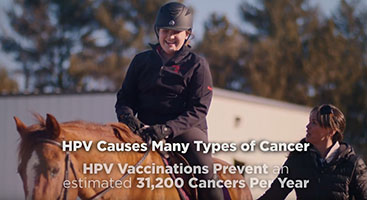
x,y
175,16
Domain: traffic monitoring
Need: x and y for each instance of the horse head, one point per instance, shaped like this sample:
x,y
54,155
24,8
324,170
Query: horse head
x,y
41,163
44,167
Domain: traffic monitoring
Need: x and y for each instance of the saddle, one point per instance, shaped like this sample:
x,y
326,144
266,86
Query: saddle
x,y
172,158
186,192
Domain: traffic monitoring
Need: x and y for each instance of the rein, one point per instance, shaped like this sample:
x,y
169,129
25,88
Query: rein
x,y
68,162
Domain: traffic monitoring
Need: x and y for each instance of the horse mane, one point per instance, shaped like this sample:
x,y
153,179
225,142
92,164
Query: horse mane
x,y
116,132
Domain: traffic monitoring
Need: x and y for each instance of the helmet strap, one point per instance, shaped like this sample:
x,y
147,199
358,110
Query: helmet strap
x,y
188,37
156,32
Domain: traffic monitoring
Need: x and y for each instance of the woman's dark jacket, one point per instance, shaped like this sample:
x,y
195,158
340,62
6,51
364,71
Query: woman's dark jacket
x,y
344,177
177,94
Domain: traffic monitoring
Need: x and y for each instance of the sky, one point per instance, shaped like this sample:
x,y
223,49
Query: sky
x,y
202,11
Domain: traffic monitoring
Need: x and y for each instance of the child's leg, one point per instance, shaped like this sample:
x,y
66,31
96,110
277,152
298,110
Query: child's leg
x,y
198,158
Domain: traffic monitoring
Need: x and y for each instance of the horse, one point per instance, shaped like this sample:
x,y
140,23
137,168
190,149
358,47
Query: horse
x,y
50,172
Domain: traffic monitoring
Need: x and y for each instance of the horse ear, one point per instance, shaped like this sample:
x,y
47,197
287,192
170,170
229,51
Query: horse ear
x,y
52,126
21,127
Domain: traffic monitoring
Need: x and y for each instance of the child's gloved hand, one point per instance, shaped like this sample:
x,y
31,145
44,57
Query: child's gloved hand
x,y
156,132
132,122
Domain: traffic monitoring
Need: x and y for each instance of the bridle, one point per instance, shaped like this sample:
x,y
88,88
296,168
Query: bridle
x,y
69,162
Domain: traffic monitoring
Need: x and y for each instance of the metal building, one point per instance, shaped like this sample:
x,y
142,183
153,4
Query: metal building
x,y
233,118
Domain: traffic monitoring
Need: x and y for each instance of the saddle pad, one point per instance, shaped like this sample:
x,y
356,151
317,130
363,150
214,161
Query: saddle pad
x,y
186,193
